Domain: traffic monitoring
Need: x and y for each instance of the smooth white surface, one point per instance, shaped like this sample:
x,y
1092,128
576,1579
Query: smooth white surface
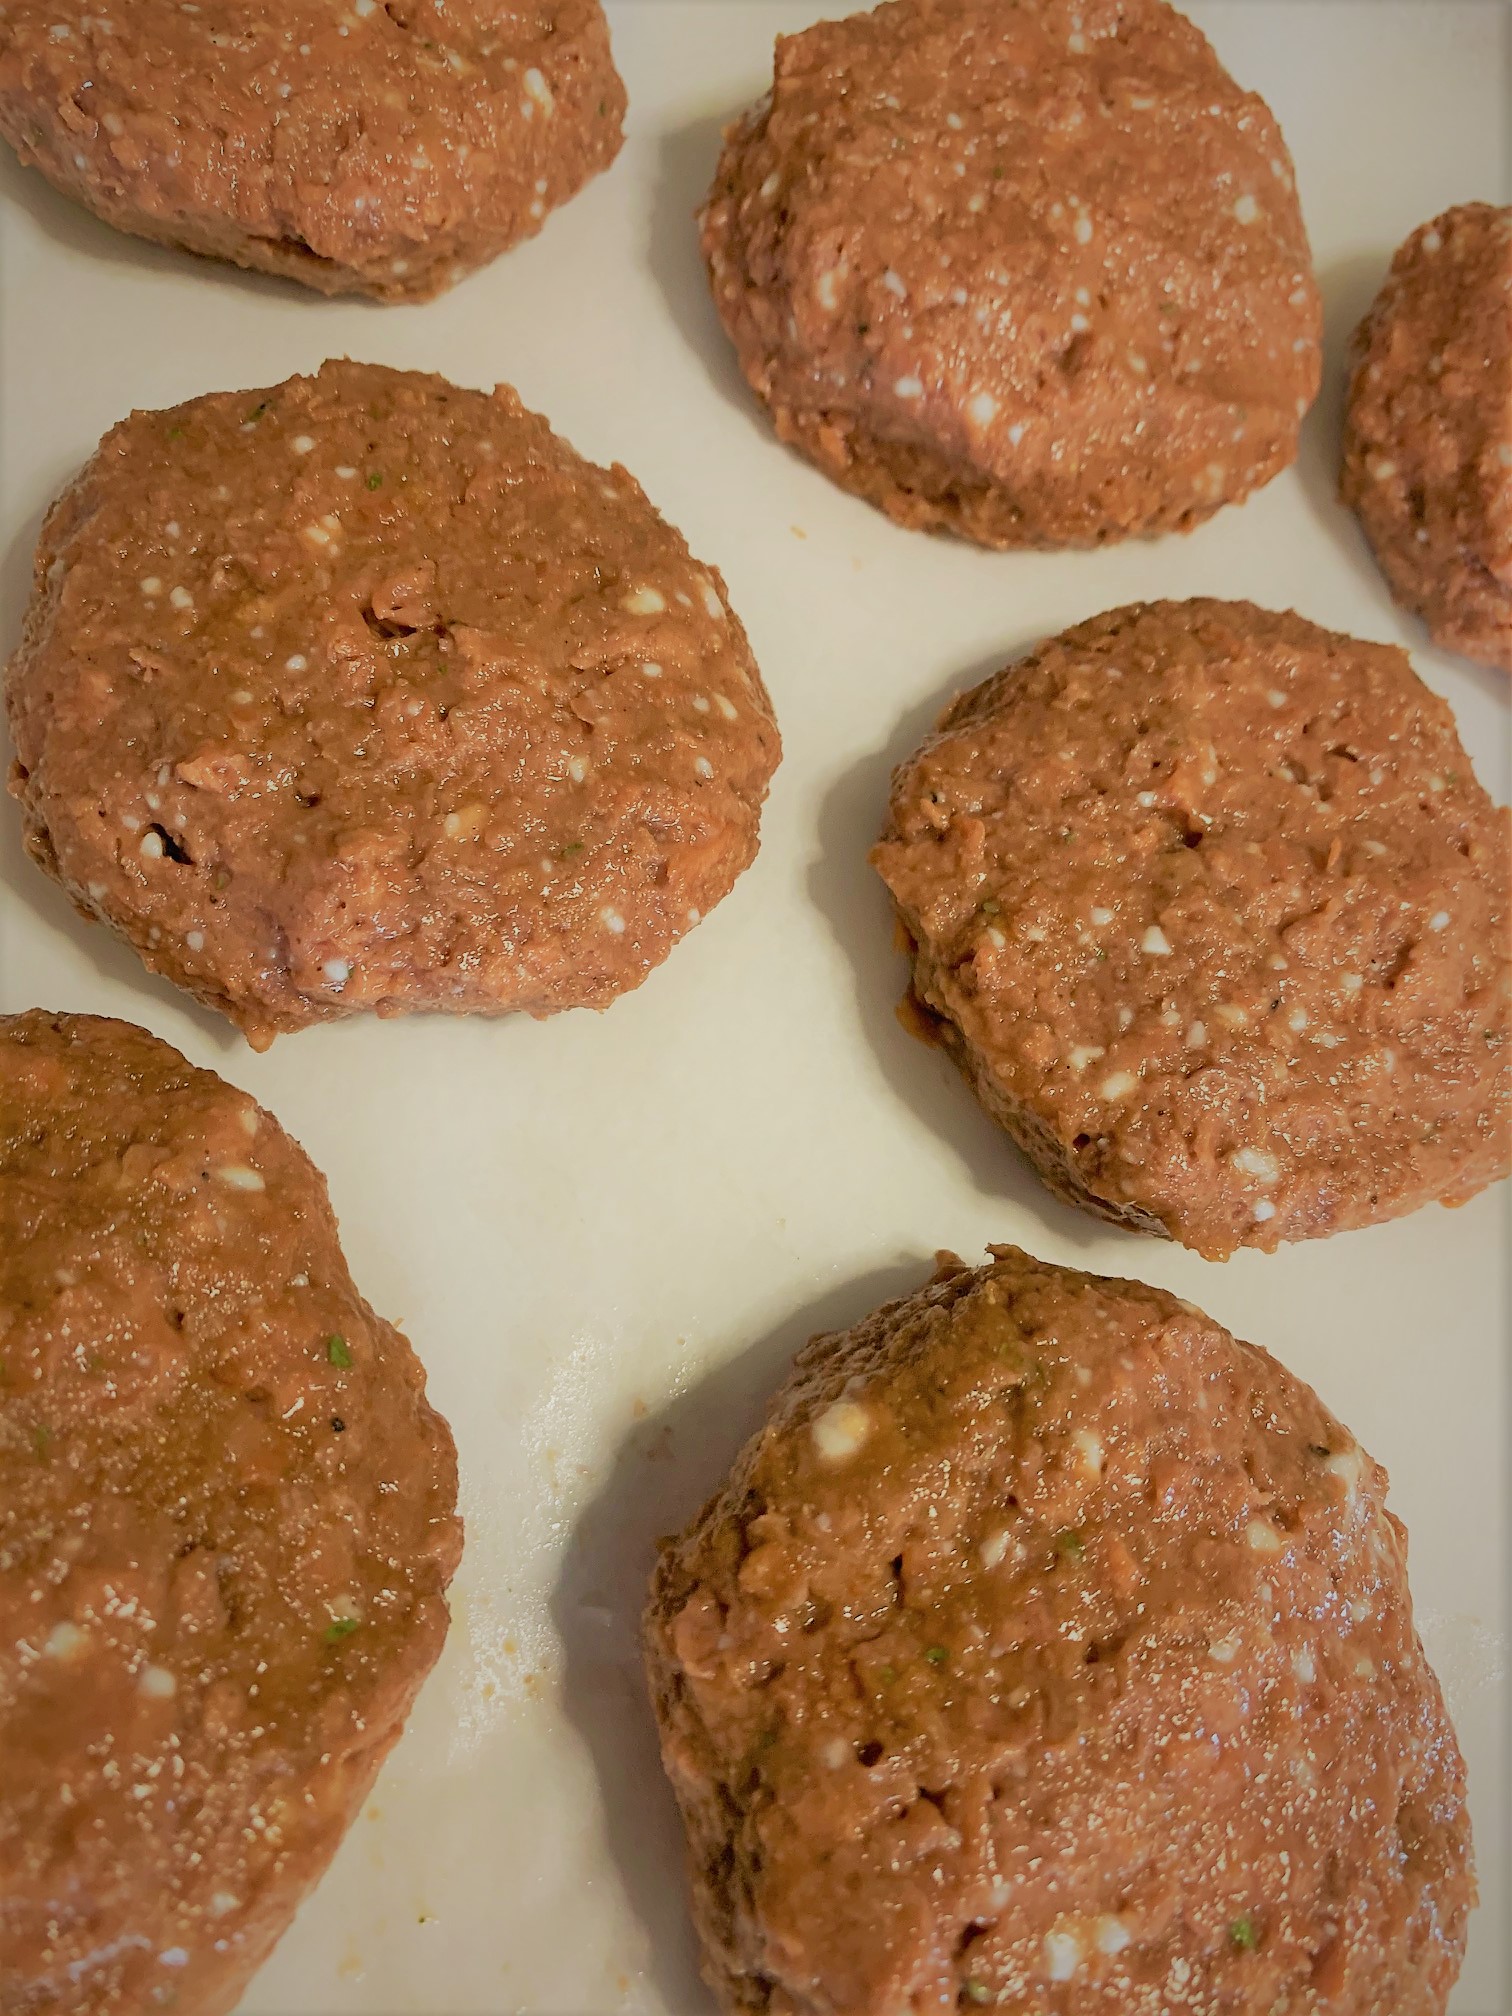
x,y
750,1149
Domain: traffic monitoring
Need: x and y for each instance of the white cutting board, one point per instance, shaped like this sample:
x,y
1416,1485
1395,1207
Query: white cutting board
x,y
606,1235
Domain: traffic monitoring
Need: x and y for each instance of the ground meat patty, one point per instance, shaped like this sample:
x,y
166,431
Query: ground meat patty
x,y
361,149
367,692
1428,430
1033,272
1050,1650
1214,916
226,1527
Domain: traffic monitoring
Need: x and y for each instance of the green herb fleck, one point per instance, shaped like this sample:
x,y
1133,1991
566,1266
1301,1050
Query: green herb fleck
x,y
222,878
375,481
337,1352
175,433
1069,1545
936,1655
572,847
975,1991
339,1628
257,412
887,1675
991,907
1243,1936
42,1437
603,107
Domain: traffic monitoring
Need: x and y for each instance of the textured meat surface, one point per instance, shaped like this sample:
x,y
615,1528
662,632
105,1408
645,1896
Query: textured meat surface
x,y
368,692
1030,270
382,150
1050,1650
226,1527
1216,917
1428,430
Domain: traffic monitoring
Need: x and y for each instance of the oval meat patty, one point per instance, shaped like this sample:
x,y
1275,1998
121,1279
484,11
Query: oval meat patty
x,y
1049,1650
1214,917
226,1527
358,148
1034,273
367,692
1428,430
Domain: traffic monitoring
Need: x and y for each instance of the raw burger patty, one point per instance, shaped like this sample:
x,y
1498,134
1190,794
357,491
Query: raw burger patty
x,y
362,149
226,1526
368,692
1033,272
1215,916
1050,1650
1428,430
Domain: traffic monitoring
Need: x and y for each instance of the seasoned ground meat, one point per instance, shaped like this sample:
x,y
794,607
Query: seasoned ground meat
x,y
1050,1651
226,1528
1214,915
1029,270
359,148
366,692
1428,430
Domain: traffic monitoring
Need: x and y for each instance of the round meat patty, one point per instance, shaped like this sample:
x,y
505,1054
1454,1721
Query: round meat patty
x,y
1428,430
1032,273
361,149
1214,916
226,1527
368,692
1050,1650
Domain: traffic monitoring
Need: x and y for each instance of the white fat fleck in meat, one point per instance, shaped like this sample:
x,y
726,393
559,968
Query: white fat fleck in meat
x,y
1235,1016
1196,1035
1263,1210
824,287
894,284
1016,433
1256,1162
1111,1935
296,662
157,1683
645,601
726,707
711,600
151,846
983,409
1063,1953
835,1753
1082,229
1090,1455
237,1176
1438,920
703,767
302,443
174,1956
223,1902
1156,943
841,1431
611,920
195,940
1246,209
994,1548
1101,915
539,90
1118,1085
1262,1536
64,1641
1302,1665
909,388
1081,1055
577,770
1224,1650
181,598
651,669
